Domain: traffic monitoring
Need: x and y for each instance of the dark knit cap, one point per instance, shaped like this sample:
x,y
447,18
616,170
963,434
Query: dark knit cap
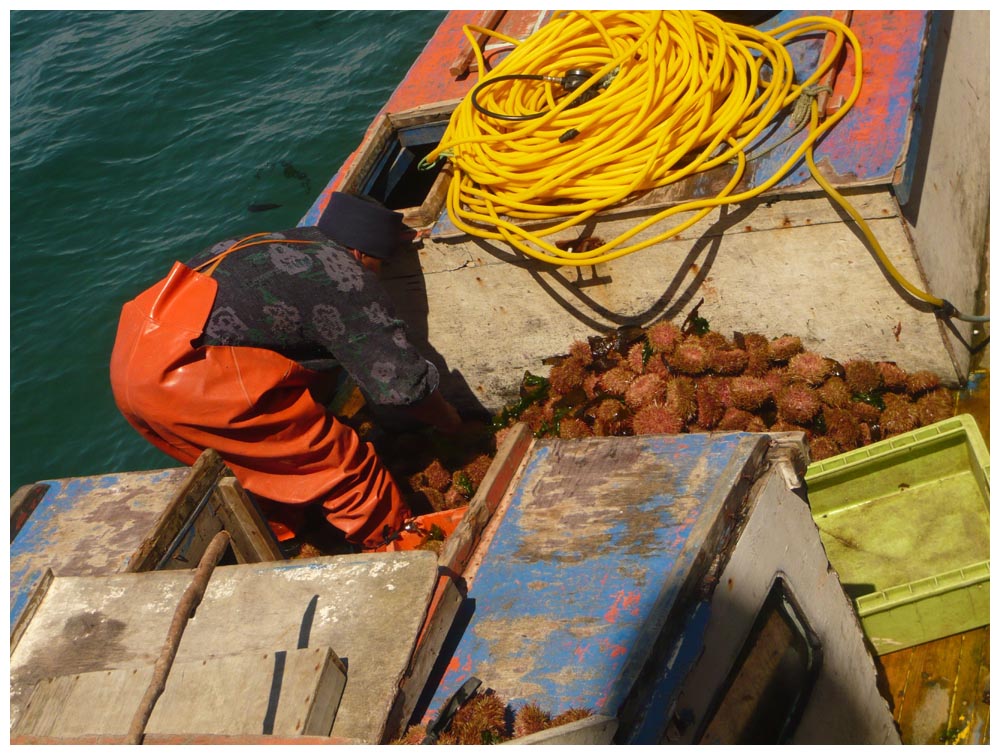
x,y
364,225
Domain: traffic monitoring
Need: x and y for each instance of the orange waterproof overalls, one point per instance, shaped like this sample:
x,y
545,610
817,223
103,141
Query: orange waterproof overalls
x,y
254,406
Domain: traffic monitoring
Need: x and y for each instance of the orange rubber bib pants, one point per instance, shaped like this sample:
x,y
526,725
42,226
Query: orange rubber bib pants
x,y
252,405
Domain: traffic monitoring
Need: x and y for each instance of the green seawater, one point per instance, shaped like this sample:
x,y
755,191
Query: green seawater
x,y
136,139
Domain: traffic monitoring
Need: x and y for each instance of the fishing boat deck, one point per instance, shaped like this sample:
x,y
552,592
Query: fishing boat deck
x,y
938,691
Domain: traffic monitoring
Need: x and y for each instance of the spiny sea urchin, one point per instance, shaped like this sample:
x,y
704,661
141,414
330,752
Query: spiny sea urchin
x,y
809,367
655,419
573,714
834,392
749,393
862,376
865,412
645,389
636,357
616,380
784,348
580,350
481,721
663,337
935,406
436,476
893,376
822,447
689,358
530,719
567,375
657,366
571,427
735,420
797,403
710,401
682,398
899,416
728,361
921,381
842,428
590,384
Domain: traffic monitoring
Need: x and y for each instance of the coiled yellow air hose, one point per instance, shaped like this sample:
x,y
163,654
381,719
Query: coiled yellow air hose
x,y
680,93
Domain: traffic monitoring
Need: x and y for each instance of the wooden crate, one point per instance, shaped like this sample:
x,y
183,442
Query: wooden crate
x,y
129,522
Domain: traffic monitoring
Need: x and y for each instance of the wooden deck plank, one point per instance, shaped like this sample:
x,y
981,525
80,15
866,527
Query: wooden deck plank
x,y
569,600
285,693
368,607
940,689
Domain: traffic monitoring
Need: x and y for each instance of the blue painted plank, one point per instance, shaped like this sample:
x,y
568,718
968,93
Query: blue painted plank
x,y
599,541
88,526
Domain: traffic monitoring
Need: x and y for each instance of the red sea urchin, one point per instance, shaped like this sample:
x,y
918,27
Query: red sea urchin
x,y
749,393
834,392
921,382
636,358
645,389
809,367
573,714
893,376
567,375
797,403
899,416
682,398
689,359
531,719
728,361
580,350
822,448
711,398
571,427
784,348
616,380
935,406
663,337
842,427
483,720
735,420
655,419
862,376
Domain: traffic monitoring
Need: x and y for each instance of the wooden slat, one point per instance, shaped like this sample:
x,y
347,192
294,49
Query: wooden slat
x,y
441,613
35,597
460,546
368,607
205,473
593,730
940,689
488,20
22,503
185,739
252,539
284,693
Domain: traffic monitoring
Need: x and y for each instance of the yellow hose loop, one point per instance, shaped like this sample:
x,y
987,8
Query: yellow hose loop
x,y
685,93
866,229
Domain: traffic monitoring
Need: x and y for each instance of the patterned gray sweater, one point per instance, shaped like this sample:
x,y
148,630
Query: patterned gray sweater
x,y
317,305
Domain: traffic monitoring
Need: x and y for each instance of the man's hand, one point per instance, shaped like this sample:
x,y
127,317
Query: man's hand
x,y
437,411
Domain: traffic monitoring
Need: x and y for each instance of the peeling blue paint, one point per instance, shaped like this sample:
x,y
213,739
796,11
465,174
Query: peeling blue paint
x,y
60,521
571,626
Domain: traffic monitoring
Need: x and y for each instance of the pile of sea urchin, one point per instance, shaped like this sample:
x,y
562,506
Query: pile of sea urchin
x,y
668,379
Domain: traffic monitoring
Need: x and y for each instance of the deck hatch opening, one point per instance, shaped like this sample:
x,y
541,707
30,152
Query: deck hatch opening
x,y
387,170
396,180
772,679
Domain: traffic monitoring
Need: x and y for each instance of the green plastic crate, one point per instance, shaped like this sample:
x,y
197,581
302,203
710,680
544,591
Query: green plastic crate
x,y
906,524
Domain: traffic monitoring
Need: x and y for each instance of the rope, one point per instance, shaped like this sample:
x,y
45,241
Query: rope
x,y
680,93
685,93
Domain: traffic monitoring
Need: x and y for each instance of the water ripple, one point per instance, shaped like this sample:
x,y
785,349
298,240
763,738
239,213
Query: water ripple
x,y
139,137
